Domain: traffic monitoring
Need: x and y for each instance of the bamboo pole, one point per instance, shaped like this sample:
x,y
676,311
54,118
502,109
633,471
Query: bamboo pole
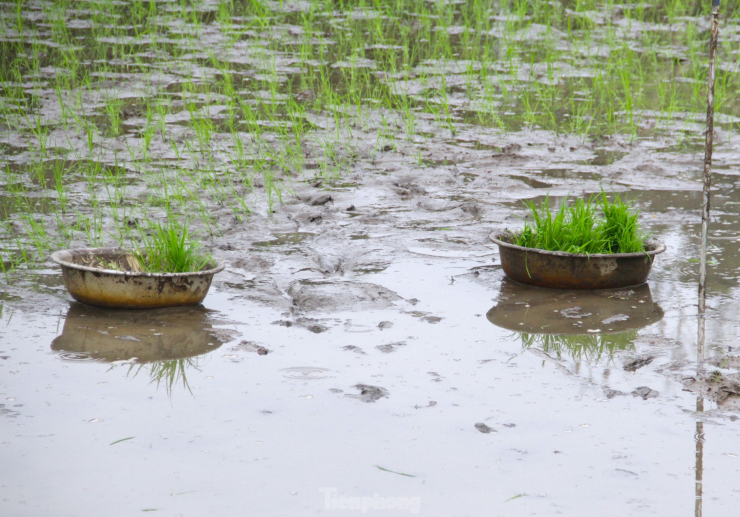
x,y
699,453
705,207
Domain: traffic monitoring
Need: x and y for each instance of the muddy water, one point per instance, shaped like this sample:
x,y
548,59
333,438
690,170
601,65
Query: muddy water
x,y
402,363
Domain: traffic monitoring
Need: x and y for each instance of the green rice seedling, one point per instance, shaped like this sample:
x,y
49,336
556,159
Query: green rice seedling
x,y
169,248
582,69
580,228
113,110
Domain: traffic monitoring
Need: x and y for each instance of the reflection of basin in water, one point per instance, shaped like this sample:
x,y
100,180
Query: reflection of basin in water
x,y
144,336
586,323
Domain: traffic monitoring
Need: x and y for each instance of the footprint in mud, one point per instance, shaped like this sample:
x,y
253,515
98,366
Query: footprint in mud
x,y
305,372
356,328
483,428
369,393
390,347
438,205
328,296
320,200
645,392
632,364
385,325
425,316
309,324
353,348
251,346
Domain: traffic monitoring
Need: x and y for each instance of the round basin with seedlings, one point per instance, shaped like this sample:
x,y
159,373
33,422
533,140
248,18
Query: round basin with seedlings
x,y
115,278
577,248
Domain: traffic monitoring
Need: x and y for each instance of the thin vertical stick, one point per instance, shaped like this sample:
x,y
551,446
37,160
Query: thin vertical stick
x,y
707,177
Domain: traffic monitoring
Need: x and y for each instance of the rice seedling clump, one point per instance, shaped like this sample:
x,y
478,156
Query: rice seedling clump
x,y
170,249
590,226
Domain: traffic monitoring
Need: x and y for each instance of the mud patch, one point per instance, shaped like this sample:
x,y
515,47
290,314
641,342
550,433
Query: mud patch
x,y
645,392
483,428
310,324
369,393
724,389
390,347
317,296
251,346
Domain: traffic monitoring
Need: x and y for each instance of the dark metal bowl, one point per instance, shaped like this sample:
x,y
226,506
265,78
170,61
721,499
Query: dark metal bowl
x,y
560,270
90,280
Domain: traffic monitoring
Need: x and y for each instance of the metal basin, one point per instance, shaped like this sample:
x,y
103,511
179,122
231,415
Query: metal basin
x,y
90,280
560,270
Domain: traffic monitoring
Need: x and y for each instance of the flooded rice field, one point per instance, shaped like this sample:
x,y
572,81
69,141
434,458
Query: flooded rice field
x,y
363,351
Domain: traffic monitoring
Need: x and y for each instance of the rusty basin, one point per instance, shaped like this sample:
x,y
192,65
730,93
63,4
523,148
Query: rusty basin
x,y
90,279
561,270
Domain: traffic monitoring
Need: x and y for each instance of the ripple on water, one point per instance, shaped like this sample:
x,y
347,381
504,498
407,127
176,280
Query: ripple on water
x,y
305,372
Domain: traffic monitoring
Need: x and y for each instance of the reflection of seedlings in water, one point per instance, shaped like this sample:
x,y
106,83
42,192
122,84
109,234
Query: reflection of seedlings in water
x,y
590,347
168,373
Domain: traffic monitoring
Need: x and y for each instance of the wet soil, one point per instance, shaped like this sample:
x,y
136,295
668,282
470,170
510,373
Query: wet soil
x,y
319,355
